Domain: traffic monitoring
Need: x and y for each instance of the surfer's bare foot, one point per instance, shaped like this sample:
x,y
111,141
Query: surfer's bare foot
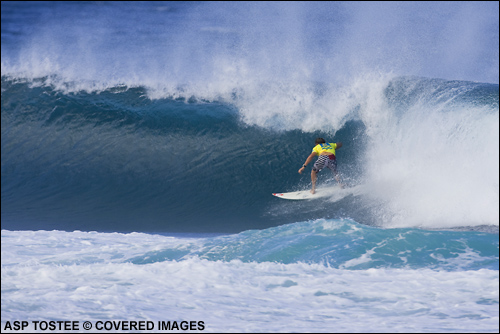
x,y
313,191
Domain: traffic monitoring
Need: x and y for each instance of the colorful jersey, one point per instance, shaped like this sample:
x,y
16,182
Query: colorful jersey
x,y
326,147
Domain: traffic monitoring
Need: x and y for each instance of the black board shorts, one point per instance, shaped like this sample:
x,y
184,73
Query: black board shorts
x,y
323,161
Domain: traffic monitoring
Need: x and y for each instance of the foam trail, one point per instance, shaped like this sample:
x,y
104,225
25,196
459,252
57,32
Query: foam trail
x,y
113,277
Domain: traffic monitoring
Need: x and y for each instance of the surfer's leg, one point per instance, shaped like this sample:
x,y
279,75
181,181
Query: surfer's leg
x,y
333,167
313,180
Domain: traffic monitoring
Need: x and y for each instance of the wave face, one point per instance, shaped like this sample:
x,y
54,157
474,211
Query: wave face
x,y
426,152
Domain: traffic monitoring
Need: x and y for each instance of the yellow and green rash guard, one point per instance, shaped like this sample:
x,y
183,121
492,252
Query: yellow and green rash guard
x,y
326,147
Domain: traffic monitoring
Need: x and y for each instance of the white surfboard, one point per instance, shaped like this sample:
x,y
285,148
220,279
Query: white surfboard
x,y
334,193
306,194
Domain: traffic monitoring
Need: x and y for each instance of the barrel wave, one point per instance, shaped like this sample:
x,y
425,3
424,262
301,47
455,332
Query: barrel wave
x,y
425,151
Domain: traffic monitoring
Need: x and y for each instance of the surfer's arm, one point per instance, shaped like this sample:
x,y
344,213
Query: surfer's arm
x,y
309,159
339,145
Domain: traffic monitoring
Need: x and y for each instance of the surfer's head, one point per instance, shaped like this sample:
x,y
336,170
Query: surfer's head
x,y
320,141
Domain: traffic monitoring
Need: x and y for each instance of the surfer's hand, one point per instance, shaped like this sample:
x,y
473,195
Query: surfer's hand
x,y
300,170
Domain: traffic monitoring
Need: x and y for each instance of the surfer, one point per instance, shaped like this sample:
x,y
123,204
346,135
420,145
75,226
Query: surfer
x,y
326,158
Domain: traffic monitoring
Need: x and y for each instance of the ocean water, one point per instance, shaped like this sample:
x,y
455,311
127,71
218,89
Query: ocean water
x,y
141,143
